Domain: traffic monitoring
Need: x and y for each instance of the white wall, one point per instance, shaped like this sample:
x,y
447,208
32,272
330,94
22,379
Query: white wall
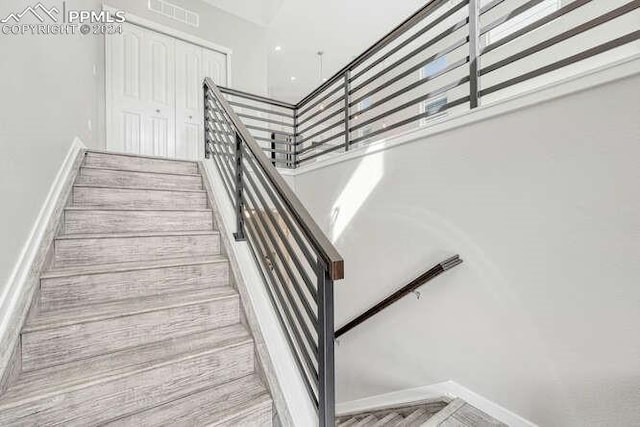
x,y
542,204
49,95
246,39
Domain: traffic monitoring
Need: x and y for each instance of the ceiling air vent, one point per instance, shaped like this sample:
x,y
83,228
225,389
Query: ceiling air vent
x,y
174,12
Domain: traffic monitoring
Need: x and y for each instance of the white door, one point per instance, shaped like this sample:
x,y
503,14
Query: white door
x,y
141,87
154,93
189,100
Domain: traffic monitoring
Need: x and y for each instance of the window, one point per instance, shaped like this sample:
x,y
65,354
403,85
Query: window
x,y
520,21
363,105
433,106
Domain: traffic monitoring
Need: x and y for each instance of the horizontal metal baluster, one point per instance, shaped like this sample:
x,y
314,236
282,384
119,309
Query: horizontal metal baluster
x,y
262,110
286,216
324,119
319,101
320,132
412,86
262,119
616,13
446,33
620,41
307,344
322,153
258,98
261,129
451,48
324,108
490,6
294,281
444,107
317,144
299,345
414,101
311,388
296,261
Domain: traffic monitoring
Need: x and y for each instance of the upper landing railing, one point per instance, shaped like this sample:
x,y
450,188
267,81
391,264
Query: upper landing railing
x,y
449,56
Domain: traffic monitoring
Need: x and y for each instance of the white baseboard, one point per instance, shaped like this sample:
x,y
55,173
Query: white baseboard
x,y
289,394
18,291
449,389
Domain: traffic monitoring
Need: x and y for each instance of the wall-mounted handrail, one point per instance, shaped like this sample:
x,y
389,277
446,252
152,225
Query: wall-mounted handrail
x,y
430,274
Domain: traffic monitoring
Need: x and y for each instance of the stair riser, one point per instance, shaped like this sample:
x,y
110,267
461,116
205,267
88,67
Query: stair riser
x,y
259,416
137,199
103,221
107,401
131,163
81,290
81,252
49,347
115,178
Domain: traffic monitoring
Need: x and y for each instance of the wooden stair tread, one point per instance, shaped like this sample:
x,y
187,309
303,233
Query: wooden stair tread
x,y
38,320
82,373
136,234
131,266
125,187
140,156
221,405
111,209
196,175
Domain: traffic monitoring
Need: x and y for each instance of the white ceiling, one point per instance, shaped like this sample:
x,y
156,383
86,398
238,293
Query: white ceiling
x,y
340,28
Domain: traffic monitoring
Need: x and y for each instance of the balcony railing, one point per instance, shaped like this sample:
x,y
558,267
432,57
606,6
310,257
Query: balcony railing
x,y
450,56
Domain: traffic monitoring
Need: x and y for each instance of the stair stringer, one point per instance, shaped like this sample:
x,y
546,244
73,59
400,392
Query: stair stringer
x,y
21,292
292,407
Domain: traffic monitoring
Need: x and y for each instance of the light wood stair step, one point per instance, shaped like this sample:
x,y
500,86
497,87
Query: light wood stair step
x,y
128,382
89,249
122,161
61,336
137,198
94,284
367,421
243,402
416,418
129,179
389,420
82,220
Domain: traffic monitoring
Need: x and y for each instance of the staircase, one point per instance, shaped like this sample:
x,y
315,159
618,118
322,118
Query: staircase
x,y
442,412
136,322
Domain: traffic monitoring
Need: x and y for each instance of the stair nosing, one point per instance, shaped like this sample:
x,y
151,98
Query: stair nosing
x,y
140,156
27,329
123,267
108,378
120,187
142,171
117,209
85,236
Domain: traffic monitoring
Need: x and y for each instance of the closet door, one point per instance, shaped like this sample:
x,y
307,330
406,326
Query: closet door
x,y
159,73
127,108
215,66
141,76
189,119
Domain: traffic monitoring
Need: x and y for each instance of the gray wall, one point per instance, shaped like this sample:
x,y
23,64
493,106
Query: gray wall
x,y
542,204
49,94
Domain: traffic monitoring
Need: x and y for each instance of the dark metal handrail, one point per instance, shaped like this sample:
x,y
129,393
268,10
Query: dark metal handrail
x,y
311,230
400,293
288,254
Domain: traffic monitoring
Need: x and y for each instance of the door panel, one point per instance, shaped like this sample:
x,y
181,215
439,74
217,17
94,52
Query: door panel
x,y
188,100
154,92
